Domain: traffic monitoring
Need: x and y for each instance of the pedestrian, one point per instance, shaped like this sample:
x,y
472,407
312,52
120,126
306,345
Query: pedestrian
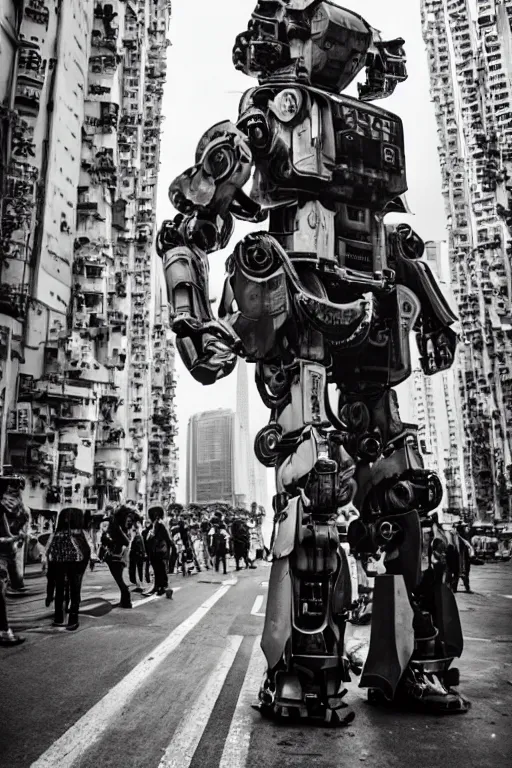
x,y
220,543
8,546
240,538
204,528
68,554
137,557
466,552
17,518
159,547
148,525
188,555
115,550
173,555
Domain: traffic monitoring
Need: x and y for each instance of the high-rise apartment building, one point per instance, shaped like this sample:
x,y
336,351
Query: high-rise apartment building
x,y
469,47
212,457
221,465
87,360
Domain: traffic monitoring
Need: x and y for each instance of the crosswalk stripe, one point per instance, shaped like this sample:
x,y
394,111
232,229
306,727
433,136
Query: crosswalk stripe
x,y
71,746
236,748
180,752
257,605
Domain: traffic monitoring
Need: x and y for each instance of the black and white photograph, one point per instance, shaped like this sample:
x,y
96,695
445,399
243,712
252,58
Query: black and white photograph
x,y
255,383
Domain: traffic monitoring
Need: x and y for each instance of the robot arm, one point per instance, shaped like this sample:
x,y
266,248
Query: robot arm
x,y
437,341
208,196
385,68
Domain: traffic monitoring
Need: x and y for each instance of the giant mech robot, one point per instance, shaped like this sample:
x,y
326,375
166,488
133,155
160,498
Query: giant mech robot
x,y
329,295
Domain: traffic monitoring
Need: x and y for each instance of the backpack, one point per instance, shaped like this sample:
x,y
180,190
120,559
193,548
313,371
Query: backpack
x,y
219,542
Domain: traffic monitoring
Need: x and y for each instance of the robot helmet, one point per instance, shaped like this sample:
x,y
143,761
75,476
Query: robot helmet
x,y
316,42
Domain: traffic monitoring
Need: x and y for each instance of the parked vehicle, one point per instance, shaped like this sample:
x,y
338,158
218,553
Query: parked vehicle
x,y
504,533
484,541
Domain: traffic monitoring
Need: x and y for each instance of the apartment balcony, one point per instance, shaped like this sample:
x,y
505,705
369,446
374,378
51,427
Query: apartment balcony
x,y
70,413
104,475
37,11
117,319
67,466
112,438
14,300
103,64
95,89
104,40
131,40
27,98
31,68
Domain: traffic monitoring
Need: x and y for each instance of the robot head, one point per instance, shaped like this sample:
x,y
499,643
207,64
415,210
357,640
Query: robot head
x,y
311,41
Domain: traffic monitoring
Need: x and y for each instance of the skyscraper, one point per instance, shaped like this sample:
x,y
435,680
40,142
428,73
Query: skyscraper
x,y
211,457
469,45
80,334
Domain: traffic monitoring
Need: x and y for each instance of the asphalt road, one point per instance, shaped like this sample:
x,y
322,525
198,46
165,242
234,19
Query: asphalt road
x,y
171,683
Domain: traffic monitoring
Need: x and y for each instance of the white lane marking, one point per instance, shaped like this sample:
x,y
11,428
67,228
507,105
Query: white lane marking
x,y
67,750
257,605
236,748
180,752
264,584
478,639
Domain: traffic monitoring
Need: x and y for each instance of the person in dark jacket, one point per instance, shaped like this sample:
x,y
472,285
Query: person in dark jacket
x,y
148,526
219,545
466,551
137,557
115,542
68,555
172,524
241,540
159,546
189,558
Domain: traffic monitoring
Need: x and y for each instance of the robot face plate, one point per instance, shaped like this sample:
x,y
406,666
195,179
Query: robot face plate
x,y
310,41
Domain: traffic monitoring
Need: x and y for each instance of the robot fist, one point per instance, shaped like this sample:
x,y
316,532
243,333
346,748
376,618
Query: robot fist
x,y
207,358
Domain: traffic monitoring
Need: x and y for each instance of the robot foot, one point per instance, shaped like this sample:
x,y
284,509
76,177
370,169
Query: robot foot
x,y
309,707
425,691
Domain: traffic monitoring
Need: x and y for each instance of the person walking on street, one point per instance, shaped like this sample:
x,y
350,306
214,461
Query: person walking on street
x,y
137,557
68,554
204,528
173,555
115,542
466,552
8,544
220,543
148,526
241,542
159,547
17,517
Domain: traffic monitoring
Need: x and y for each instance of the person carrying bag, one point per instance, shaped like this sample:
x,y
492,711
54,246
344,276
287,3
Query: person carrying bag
x,y
68,555
114,550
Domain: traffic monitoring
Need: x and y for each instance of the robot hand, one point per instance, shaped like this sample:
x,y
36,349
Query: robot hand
x,y
185,326
207,358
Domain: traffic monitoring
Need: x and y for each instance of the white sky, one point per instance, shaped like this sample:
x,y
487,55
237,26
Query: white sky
x,y
203,88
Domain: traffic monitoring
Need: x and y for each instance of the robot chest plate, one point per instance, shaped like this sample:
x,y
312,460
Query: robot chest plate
x,y
339,148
